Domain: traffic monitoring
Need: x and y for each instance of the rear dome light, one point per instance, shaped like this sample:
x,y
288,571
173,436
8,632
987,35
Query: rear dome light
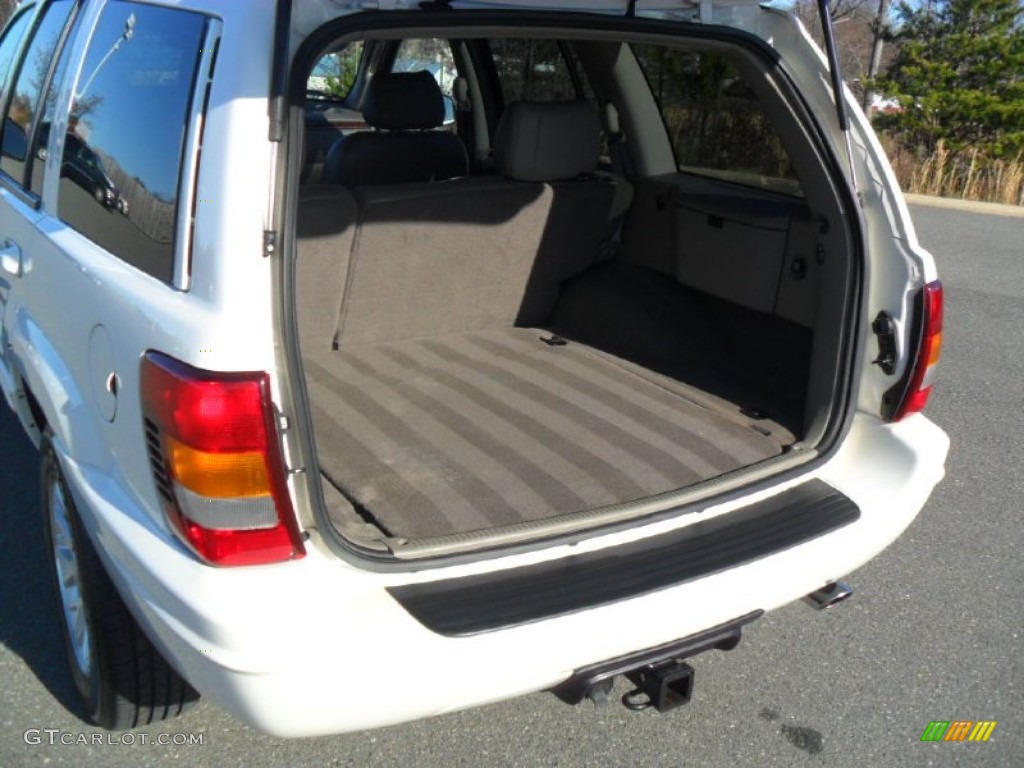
x,y
217,462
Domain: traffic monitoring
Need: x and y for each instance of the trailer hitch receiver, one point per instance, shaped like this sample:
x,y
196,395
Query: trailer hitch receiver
x,y
663,687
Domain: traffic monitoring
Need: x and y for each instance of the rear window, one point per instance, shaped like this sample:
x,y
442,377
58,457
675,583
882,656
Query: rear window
x,y
533,70
430,54
122,155
715,123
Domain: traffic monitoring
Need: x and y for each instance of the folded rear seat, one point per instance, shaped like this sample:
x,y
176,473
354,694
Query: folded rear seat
x,y
470,254
326,226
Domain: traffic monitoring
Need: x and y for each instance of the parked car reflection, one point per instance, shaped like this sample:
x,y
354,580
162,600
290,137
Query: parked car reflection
x,y
14,140
83,167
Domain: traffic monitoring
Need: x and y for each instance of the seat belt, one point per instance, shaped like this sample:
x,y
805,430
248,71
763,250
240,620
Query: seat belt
x,y
622,169
622,163
464,114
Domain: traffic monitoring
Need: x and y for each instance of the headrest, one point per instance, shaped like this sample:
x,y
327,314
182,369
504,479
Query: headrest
x,y
547,141
397,101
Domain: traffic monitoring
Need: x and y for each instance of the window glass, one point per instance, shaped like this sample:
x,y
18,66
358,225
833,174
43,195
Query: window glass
x,y
333,76
120,167
37,160
9,48
435,56
21,110
715,123
532,70
581,75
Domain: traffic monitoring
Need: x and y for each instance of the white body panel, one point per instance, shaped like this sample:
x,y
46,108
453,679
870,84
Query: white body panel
x,y
318,646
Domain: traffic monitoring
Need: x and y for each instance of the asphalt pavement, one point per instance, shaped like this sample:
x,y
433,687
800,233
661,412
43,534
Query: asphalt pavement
x,y
934,631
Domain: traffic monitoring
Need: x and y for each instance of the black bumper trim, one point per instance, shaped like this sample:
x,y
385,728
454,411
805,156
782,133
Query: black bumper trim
x,y
474,604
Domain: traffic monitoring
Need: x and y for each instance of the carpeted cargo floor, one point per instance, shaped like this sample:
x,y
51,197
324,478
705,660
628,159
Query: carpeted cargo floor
x,y
444,435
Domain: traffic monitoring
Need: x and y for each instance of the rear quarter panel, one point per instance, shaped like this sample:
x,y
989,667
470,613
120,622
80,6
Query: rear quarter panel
x,y
82,313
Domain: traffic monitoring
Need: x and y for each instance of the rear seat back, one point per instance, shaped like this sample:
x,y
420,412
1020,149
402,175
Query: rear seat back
x,y
470,254
404,110
558,143
454,258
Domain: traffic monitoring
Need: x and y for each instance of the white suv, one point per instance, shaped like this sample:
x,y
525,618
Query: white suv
x,y
389,361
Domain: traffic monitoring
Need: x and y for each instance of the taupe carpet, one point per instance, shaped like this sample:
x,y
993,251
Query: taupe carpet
x,y
451,434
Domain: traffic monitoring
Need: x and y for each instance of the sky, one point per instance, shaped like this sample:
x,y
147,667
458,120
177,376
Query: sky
x,y
872,4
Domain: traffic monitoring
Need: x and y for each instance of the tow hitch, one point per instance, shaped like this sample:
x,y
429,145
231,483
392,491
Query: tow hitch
x,y
662,679
664,687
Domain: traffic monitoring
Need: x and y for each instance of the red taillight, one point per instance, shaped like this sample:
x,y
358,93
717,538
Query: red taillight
x,y
217,462
919,386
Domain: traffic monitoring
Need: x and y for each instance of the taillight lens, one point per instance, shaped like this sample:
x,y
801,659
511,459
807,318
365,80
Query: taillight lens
x,y
919,386
217,462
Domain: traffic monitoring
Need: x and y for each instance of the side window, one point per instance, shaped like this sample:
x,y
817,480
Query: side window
x,y
715,123
37,160
122,157
9,47
24,103
532,70
335,73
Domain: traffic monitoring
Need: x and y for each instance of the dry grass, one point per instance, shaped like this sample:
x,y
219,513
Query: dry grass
x,y
967,175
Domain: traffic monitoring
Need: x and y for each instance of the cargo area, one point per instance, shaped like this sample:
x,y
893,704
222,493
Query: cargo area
x,y
544,339
449,399
440,436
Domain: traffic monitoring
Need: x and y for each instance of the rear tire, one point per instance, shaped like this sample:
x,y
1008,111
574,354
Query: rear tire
x,y
122,679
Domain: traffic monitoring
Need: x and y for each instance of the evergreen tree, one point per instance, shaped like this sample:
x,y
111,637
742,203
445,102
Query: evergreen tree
x,y
959,76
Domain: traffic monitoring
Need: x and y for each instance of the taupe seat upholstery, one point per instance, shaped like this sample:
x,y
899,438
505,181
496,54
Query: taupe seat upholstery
x,y
325,229
559,143
471,254
404,109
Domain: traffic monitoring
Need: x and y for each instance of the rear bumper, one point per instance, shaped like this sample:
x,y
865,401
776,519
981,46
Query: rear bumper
x,y
496,601
319,646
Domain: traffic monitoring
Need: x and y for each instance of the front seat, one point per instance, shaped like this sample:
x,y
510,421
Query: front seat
x,y
403,147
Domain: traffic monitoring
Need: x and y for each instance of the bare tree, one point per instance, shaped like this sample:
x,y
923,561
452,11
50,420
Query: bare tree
x,y
854,22
841,10
6,9
881,32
